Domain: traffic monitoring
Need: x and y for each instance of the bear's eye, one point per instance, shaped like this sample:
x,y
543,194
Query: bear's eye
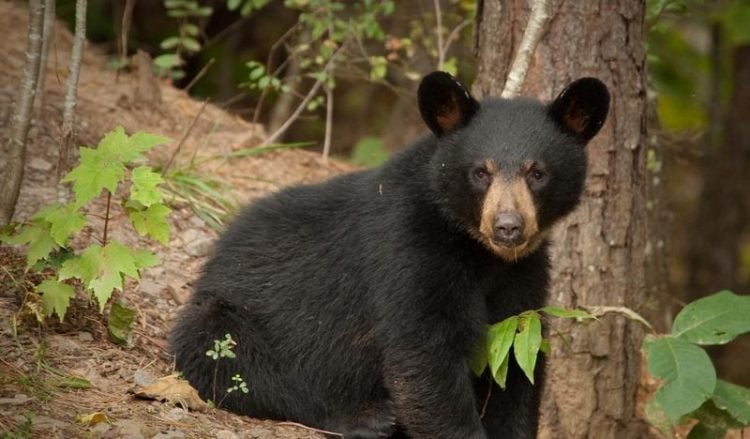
x,y
481,175
536,176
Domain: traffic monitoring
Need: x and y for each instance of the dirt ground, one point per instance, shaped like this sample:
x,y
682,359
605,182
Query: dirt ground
x,y
40,368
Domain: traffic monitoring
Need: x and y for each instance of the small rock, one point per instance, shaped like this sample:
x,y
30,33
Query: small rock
x,y
150,287
258,433
170,434
176,414
85,336
63,344
18,399
143,378
100,429
127,428
198,247
226,434
40,421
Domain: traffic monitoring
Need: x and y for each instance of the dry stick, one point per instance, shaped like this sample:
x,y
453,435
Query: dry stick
x,y
301,107
13,170
49,27
184,138
127,20
69,106
329,124
538,17
305,427
269,59
200,74
439,32
453,36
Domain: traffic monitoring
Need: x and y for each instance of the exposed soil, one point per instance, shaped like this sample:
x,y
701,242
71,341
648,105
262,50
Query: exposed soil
x,y
40,367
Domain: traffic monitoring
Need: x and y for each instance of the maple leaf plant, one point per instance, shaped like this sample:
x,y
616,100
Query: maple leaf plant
x,y
100,267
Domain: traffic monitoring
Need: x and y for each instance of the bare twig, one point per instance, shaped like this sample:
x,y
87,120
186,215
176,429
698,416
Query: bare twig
x,y
106,219
269,60
301,107
453,36
316,430
439,32
49,28
329,123
199,75
13,171
184,138
538,17
69,105
127,19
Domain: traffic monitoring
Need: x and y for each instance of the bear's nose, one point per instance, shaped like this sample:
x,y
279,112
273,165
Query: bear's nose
x,y
509,228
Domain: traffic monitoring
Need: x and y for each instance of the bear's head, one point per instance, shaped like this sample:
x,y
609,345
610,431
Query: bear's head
x,y
506,170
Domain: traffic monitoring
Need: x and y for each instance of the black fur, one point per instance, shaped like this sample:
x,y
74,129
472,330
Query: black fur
x,y
356,304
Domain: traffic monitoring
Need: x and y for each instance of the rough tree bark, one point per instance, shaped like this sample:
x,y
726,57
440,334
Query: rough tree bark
x,y
602,252
10,182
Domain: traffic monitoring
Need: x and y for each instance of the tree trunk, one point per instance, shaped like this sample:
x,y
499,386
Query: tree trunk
x,y
12,177
602,253
720,229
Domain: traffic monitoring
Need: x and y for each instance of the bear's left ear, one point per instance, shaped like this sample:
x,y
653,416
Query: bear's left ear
x,y
581,108
445,103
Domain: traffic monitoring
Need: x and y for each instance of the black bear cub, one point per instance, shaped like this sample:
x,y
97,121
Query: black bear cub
x,y
356,304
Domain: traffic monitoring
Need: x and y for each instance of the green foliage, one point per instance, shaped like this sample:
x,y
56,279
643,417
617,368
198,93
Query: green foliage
x,y
246,7
22,430
222,348
689,377
690,389
239,384
522,332
186,39
369,151
100,268
120,324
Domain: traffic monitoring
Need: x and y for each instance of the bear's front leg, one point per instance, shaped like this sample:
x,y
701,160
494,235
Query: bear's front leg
x,y
429,383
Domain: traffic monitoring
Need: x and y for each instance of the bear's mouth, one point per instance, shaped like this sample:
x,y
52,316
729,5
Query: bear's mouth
x,y
512,252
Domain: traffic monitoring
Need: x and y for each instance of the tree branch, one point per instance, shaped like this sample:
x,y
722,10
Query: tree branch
x,y
538,17
13,172
48,29
69,105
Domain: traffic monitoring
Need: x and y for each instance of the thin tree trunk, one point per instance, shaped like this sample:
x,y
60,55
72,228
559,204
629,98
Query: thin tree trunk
x,y
47,38
71,88
16,148
723,217
601,252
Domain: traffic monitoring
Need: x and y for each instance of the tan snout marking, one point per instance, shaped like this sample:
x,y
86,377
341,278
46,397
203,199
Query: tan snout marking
x,y
509,195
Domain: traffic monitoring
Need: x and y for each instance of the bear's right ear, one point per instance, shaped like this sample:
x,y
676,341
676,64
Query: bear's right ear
x,y
445,103
581,108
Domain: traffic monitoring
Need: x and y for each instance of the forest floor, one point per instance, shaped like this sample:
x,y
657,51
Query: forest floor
x,y
63,372
68,379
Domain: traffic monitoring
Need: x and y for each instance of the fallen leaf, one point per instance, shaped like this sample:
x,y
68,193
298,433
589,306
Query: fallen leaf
x,y
173,390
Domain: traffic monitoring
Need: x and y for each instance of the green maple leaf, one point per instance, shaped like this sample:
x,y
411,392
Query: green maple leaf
x,y
116,145
98,170
64,221
152,221
55,297
102,269
144,188
37,236
142,141
145,259
84,267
